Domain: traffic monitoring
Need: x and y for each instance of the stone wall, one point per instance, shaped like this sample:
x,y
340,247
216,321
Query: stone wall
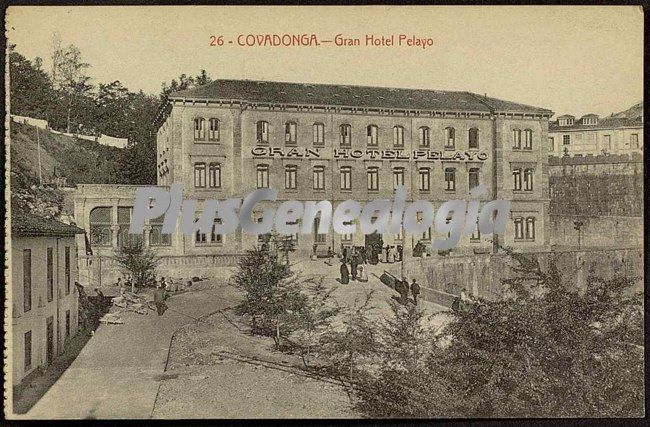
x,y
596,231
442,278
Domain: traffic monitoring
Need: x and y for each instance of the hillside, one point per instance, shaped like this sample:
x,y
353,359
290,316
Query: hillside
x,y
75,160
634,112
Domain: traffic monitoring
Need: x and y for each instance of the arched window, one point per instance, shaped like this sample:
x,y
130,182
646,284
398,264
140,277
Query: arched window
x,y
213,131
516,139
528,180
346,177
473,139
319,134
100,226
262,132
473,178
319,178
398,136
290,133
425,136
373,135
519,228
398,177
346,134
262,176
450,179
214,175
373,178
528,139
156,236
291,177
124,223
424,175
199,128
530,228
199,175
450,138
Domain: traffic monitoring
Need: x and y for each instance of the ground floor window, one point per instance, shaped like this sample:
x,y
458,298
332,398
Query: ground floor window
x,y
28,350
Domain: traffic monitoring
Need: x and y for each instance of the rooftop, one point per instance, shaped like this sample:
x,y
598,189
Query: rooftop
x,y
24,223
603,123
344,95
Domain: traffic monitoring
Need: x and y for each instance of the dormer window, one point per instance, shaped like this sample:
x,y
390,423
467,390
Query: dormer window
x,y
590,119
565,120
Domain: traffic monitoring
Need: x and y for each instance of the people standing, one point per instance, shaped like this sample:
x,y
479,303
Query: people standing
x,y
159,297
345,274
354,262
415,291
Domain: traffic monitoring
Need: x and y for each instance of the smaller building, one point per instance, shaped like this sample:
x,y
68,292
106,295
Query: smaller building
x,y
594,135
44,300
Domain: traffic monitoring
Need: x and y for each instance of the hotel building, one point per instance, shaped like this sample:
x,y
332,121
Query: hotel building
x,y
316,142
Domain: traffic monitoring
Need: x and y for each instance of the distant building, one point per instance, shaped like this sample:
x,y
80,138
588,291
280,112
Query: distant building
x,y
595,135
44,299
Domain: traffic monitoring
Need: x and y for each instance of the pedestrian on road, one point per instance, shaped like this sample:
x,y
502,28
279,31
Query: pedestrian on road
x,y
415,290
345,274
354,263
159,297
404,291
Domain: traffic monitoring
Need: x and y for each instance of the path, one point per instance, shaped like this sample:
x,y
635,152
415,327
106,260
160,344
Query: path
x,y
117,374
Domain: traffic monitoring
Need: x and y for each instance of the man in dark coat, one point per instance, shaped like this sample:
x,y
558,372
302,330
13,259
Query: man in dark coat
x,y
415,290
345,274
159,297
354,262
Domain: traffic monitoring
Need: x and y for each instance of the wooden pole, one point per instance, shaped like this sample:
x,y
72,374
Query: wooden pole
x,y
38,144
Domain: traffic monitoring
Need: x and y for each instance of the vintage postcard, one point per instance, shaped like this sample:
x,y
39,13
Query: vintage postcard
x,y
324,212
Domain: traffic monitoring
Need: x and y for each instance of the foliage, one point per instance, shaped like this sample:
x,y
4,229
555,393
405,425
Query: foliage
x,y
137,262
185,82
545,349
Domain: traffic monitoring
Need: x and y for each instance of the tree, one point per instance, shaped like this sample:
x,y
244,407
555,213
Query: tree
x,y
68,76
184,82
137,262
31,91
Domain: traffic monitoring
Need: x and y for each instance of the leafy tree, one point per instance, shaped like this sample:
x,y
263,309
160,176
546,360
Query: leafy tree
x,y
137,262
184,82
31,91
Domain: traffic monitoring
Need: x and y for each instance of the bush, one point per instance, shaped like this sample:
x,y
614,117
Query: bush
x,y
137,262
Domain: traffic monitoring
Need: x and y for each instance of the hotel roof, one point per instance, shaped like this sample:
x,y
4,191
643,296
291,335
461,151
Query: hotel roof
x,y
358,96
603,123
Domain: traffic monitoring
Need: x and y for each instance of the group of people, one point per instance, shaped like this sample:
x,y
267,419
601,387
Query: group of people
x,y
463,301
358,269
402,287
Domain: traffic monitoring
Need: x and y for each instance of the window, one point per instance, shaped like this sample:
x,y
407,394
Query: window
x,y
425,137
426,235
424,175
516,139
450,179
473,139
262,176
263,132
28,351
346,177
398,177
450,138
566,139
319,134
50,274
27,280
530,228
214,175
473,178
66,269
519,229
528,139
607,142
100,226
476,234
346,134
318,238
216,238
290,177
123,224
634,140
347,237
373,178
199,175
156,236
373,136
200,238
213,132
528,180
516,179
551,143
199,129
319,177
398,136
67,323
290,132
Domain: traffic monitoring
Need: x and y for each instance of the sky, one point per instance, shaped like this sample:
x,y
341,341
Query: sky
x,y
570,59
